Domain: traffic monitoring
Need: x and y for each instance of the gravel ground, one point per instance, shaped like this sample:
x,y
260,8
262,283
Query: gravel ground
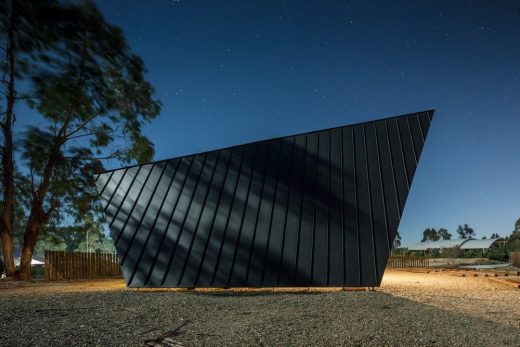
x,y
411,309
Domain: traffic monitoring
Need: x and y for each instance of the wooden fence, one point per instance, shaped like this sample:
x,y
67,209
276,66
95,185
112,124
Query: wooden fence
x,y
400,261
74,265
515,258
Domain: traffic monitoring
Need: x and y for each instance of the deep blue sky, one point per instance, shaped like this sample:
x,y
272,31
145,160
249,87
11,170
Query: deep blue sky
x,y
231,72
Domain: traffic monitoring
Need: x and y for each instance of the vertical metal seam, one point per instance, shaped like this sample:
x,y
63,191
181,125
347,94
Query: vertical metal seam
x,y
215,270
109,202
315,193
144,212
258,211
243,214
286,212
328,207
343,238
213,219
154,222
413,142
302,184
370,203
165,232
402,154
181,229
423,138
266,253
215,213
106,183
206,194
357,206
133,204
124,196
397,199
382,189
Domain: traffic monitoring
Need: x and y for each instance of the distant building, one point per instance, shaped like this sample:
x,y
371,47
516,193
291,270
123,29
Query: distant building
x,y
464,244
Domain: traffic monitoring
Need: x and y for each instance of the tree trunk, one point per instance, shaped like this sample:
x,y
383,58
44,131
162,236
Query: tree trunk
x,y
29,242
7,249
24,272
7,217
37,218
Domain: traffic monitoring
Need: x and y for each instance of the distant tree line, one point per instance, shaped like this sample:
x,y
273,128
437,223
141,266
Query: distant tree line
x,y
463,231
499,250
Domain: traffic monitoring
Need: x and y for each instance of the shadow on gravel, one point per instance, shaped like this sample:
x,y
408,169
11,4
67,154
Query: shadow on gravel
x,y
239,318
262,294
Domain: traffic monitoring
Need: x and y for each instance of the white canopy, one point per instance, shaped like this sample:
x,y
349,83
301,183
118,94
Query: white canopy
x,y
462,243
478,244
423,246
33,262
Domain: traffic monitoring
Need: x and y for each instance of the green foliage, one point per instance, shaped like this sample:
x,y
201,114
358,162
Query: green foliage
x,y
460,232
497,251
27,24
500,250
73,238
89,89
430,234
465,232
444,234
513,242
473,253
94,99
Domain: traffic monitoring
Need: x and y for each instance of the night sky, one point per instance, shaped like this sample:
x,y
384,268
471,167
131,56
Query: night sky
x,y
232,72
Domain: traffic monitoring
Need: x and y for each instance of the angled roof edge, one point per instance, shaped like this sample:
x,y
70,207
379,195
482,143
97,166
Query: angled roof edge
x,y
430,112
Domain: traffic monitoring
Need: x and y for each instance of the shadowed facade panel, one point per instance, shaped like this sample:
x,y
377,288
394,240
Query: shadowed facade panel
x,y
316,209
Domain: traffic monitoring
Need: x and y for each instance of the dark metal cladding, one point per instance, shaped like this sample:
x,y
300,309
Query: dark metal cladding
x,y
316,209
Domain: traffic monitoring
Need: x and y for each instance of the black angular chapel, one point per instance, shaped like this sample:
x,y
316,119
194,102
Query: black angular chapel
x,y
315,209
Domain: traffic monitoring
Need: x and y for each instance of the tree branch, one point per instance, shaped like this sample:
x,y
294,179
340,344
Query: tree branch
x,y
112,155
26,97
62,134
82,124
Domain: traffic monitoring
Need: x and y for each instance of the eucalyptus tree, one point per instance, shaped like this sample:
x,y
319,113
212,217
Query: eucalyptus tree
x,y
444,234
465,232
430,234
89,90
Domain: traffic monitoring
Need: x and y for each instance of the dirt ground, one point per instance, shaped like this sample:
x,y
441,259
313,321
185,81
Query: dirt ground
x,y
410,309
